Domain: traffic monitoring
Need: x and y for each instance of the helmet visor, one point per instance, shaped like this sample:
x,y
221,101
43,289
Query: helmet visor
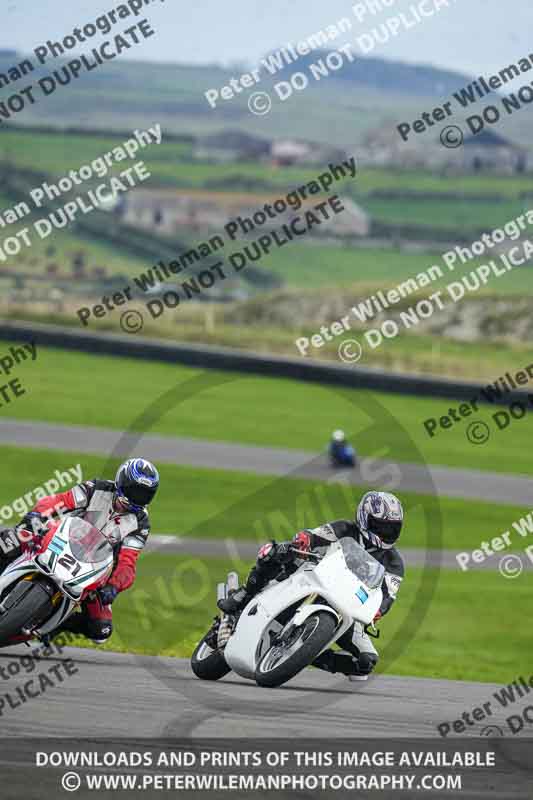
x,y
138,494
387,530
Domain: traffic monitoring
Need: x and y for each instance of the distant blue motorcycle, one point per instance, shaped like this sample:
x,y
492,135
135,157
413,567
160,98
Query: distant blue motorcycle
x,y
341,454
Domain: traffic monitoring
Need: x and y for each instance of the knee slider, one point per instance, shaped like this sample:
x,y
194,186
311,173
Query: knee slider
x,y
99,630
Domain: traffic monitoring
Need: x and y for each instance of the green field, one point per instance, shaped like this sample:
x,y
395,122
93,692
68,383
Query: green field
x,y
315,265
58,249
216,504
450,214
173,602
68,387
59,152
168,162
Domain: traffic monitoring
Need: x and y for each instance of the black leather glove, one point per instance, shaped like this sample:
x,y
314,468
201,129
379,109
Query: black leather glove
x,y
107,594
284,551
235,601
35,522
273,551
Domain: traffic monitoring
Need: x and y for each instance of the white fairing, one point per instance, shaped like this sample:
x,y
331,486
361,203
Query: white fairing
x,y
342,594
77,556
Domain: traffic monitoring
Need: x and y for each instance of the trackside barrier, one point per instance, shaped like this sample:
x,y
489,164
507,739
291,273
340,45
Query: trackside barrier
x,y
223,358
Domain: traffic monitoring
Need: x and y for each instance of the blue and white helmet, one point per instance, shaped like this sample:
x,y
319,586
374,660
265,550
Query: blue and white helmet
x,y
380,518
137,481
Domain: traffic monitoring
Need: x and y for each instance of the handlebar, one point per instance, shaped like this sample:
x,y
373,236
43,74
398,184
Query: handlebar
x,y
306,553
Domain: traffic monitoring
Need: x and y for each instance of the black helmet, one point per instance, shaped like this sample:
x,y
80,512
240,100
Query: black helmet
x,y
137,482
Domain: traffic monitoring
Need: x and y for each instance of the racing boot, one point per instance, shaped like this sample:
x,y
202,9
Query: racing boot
x,y
356,668
235,601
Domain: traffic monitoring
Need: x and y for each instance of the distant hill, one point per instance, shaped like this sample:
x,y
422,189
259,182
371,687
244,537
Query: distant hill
x,y
388,76
339,109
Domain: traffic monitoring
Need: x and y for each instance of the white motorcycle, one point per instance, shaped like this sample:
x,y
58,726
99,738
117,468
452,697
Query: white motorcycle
x,y
285,628
51,578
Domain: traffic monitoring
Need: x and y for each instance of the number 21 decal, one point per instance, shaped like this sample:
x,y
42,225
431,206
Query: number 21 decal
x,y
71,564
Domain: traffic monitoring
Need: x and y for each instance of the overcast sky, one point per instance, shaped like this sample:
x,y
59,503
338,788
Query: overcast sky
x,y
473,36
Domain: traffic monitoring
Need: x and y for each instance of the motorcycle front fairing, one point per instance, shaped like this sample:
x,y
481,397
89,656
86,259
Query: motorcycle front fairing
x,y
25,566
346,596
252,635
74,555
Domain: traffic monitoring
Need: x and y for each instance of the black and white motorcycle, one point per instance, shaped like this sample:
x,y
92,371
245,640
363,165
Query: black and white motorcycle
x,y
283,629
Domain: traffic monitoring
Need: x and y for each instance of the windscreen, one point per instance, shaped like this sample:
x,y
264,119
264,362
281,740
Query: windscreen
x,y
87,544
362,564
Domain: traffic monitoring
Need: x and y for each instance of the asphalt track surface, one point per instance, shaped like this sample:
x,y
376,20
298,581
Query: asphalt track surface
x,y
449,482
120,702
116,695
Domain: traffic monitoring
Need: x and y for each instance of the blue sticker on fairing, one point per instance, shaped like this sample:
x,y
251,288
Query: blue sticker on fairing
x,y
57,545
362,595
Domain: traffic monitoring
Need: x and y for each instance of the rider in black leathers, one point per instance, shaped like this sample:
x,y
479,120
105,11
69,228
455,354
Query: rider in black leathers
x,y
377,526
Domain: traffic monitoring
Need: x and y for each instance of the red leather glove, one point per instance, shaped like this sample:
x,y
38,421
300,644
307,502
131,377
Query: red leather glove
x,y
124,573
56,502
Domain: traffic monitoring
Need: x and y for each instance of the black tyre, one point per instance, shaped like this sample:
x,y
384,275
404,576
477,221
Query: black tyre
x,y
208,664
283,661
29,603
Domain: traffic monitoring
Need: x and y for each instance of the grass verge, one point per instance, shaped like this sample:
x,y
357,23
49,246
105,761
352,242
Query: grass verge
x,y
218,504
75,388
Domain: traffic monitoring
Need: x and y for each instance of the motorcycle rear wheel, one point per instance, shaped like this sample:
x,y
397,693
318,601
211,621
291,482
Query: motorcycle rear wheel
x,y
32,605
208,664
281,663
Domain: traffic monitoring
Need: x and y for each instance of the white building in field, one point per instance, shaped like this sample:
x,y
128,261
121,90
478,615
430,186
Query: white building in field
x,y
176,212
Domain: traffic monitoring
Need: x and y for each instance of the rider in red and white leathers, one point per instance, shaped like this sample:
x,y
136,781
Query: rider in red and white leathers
x,y
118,509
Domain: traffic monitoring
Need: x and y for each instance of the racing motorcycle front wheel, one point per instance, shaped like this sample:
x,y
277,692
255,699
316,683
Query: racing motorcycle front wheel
x,y
26,606
296,650
208,663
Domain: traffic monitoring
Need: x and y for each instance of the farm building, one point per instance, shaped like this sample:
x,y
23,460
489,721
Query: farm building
x,y
198,210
